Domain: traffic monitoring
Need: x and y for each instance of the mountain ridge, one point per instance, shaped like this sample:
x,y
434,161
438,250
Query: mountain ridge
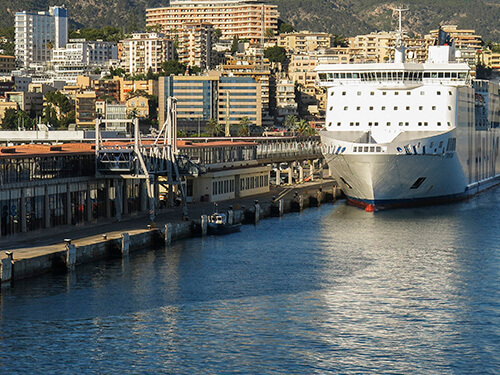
x,y
345,17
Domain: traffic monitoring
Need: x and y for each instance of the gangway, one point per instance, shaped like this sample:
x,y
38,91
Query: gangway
x,y
146,160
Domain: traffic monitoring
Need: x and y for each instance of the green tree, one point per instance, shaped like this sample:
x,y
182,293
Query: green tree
x,y
284,27
15,117
173,67
291,122
217,34
269,33
234,45
275,54
304,128
150,74
244,127
213,127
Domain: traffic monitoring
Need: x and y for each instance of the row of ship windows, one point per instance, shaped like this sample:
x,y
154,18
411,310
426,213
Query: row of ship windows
x,y
383,108
367,149
388,123
391,76
359,93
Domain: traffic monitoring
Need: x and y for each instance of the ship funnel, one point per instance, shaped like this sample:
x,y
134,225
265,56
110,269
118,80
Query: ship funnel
x,y
442,37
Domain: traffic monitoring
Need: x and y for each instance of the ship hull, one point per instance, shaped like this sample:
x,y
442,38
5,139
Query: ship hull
x,y
384,181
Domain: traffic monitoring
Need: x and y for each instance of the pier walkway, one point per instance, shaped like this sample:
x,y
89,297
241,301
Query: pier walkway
x,y
31,245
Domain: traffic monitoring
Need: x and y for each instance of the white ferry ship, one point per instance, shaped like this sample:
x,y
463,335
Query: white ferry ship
x,y
403,134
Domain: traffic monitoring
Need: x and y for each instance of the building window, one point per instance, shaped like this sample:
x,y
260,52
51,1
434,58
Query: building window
x,y
388,123
383,108
358,108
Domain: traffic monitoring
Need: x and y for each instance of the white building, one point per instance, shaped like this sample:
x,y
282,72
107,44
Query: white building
x,y
37,33
285,98
146,50
79,52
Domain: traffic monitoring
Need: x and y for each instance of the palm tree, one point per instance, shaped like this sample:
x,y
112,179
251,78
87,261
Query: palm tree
x,y
291,122
303,127
213,127
244,127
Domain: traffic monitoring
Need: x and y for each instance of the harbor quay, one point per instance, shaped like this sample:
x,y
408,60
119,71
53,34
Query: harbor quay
x,y
64,248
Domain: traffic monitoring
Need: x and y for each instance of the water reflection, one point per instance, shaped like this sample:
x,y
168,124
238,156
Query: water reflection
x,y
330,290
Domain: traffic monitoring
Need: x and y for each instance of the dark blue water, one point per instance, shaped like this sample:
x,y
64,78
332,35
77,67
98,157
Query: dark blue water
x,y
331,290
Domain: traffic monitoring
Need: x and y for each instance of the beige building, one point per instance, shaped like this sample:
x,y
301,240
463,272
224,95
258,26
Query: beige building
x,y
26,101
138,106
7,64
195,45
245,19
144,51
85,109
129,86
463,38
304,41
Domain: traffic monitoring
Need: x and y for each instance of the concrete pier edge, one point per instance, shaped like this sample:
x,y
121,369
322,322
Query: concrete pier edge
x,y
103,246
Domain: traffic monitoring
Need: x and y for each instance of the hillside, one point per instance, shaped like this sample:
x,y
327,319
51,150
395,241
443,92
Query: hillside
x,y
347,17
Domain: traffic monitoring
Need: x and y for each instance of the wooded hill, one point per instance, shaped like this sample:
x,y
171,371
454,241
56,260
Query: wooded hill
x,y
346,17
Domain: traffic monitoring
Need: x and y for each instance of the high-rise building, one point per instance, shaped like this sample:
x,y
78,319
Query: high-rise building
x,y
144,51
244,19
195,42
37,33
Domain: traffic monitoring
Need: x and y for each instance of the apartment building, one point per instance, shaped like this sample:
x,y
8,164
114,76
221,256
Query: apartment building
x,y
301,72
79,52
144,51
85,109
104,88
466,38
37,33
150,87
195,45
244,19
30,102
7,64
304,41
285,98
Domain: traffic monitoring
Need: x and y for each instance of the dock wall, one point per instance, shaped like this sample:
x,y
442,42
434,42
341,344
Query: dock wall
x,y
102,247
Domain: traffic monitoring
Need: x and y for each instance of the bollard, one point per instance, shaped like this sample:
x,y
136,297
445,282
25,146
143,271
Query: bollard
x,y
168,233
334,193
281,207
204,225
125,244
230,217
7,268
70,255
257,212
319,197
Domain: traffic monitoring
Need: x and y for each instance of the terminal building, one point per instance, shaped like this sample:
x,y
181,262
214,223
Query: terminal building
x,y
44,186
